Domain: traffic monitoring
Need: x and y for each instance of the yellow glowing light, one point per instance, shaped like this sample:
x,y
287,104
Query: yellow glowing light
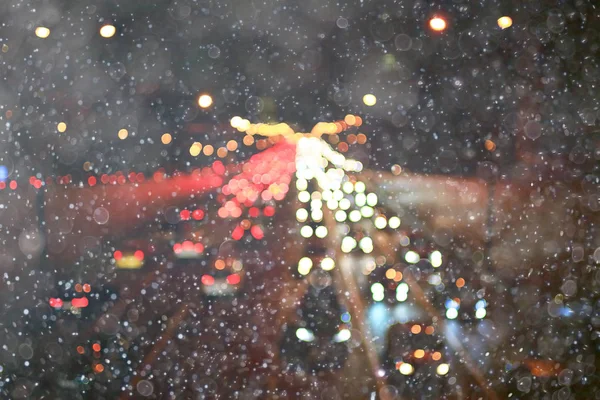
x,y
350,119
406,369
205,101
42,32
437,24
108,31
61,127
248,140
123,134
442,369
304,265
369,99
166,138
505,22
390,273
394,222
416,329
419,353
327,264
208,150
236,121
195,149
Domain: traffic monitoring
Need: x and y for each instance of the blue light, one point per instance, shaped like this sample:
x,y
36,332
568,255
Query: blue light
x,y
480,304
451,304
3,173
346,317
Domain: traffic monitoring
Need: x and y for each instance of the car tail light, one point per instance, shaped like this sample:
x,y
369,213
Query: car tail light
x,y
80,302
233,279
139,255
207,280
56,303
118,255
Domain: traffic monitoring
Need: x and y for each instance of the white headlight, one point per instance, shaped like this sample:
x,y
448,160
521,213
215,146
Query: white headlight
x,y
442,369
406,369
342,336
305,335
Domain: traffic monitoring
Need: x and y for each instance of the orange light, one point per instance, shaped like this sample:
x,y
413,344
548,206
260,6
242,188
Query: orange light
x,y
96,347
220,264
419,353
87,288
460,282
80,349
390,273
436,356
437,24
166,138
416,329
429,330
398,276
489,145
78,288
99,368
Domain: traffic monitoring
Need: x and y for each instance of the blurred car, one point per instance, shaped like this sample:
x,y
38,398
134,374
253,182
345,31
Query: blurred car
x,y
131,254
414,360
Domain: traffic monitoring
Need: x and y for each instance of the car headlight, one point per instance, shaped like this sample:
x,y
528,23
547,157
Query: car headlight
x,y
342,336
305,335
406,369
442,369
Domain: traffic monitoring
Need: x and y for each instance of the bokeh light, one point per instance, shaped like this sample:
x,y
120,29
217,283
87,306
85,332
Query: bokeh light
x,y
61,127
205,101
166,138
108,31
42,32
369,99
505,22
438,24
123,133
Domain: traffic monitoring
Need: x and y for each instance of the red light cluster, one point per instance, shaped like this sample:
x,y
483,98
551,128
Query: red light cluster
x,y
207,280
35,182
186,215
80,302
139,254
188,246
233,279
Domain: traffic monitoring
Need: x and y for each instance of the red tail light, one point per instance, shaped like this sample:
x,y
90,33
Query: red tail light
x,y
56,303
187,245
118,255
237,233
199,247
184,215
139,255
257,232
177,248
198,214
80,302
207,280
233,279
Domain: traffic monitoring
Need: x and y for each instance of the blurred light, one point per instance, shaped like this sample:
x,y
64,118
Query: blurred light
x,y
401,296
412,257
415,329
372,199
480,304
195,149
394,222
436,356
340,216
304,265
403,287
301,184
55,302
108,31
257,232
208,150
436,259
166,138
98,368
489,145
61,127
96,347
198,214
429,330
348,187
139,255
306,231
460,282
505,22
442,369
87,288
346,317
80,302
377,288
327,264
360,199
205,101
233,279
348,244
480,313
344,204
42,32
378,296
369,100
359,187
317,216
366,244
434,279
304,196
406,369
354,216
123,134
437,24
380,222
117,255
301,214
451,313
367,212
321,231
419,353
305,335
390,273
342,336
220,264
232,145
207,280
